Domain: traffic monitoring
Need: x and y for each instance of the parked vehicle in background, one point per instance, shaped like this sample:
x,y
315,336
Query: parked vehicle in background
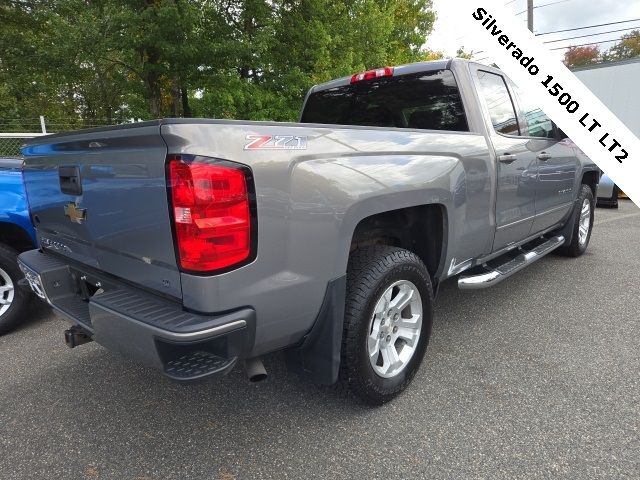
x,y
16,235
608,193
616,85
191,244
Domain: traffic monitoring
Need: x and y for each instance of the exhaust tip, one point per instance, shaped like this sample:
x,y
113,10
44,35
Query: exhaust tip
x,y
258,378
254,369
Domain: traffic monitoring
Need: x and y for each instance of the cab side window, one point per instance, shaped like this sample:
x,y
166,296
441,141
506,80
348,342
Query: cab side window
x,y
499,103
536,122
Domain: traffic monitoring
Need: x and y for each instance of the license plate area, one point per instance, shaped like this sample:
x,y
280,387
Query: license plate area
x,y
86,285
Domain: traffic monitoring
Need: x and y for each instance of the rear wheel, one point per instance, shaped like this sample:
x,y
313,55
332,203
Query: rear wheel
x,y
13,299
388,318
583,224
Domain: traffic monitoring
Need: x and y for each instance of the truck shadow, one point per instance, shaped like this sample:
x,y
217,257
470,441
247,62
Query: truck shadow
x,y
94,397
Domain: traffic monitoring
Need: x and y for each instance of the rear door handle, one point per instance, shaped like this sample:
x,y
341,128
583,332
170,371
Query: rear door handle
x,y
544,156
507,158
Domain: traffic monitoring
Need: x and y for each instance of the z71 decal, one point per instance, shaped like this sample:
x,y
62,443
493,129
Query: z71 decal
x,y
275,142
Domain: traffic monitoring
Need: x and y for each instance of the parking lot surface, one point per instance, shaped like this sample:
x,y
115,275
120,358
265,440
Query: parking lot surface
x,y
538,377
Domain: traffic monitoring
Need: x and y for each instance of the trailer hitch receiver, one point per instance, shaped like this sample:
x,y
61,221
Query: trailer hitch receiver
x,y
76,336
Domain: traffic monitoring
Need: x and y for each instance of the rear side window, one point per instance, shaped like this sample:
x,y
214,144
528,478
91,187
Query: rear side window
x,y
428,100
499,103
536,121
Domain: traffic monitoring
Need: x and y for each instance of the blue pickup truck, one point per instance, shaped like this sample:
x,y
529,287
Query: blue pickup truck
x,y
16,235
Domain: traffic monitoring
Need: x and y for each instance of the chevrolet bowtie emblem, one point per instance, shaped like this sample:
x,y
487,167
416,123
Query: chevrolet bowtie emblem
x,y
75,214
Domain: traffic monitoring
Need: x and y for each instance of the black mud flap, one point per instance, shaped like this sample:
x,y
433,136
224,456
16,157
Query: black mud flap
x,y
567,230
318,356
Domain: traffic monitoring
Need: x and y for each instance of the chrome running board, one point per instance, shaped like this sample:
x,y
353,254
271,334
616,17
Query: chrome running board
x,y
494,275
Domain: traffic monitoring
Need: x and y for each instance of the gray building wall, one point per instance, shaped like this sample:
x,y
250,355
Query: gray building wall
x,y
617,85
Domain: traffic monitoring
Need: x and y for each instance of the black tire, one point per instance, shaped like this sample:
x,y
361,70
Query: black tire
x,y
14,315
576,247
370,273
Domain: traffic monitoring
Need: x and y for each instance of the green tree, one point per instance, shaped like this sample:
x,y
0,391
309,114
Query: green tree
x,y
429,55
26,90
628,47
100,61
461,53
317,40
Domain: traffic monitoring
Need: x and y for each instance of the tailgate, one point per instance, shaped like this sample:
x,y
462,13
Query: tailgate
x,y
100,198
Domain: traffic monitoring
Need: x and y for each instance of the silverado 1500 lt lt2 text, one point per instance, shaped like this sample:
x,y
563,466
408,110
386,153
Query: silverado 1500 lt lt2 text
x,y
191,244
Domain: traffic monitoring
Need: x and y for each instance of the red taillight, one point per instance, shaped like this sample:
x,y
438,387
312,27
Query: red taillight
x,y
211,213
371,74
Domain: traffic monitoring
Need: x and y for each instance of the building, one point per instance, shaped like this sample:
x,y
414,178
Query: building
x,y
617,85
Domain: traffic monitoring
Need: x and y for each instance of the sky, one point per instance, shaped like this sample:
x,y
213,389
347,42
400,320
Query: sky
x,y
447,36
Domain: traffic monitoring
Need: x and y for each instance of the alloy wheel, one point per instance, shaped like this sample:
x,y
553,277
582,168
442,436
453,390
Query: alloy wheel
x,y
7,292
394,329
585,222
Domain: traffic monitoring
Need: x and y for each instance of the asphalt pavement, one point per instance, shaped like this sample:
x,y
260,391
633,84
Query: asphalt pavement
x,y
538,377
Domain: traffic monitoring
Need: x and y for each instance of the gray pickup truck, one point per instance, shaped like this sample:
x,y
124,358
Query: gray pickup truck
x,y
193,244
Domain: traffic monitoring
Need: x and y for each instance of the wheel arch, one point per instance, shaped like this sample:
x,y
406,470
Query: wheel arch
x,y
591,178
421,229
16,236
